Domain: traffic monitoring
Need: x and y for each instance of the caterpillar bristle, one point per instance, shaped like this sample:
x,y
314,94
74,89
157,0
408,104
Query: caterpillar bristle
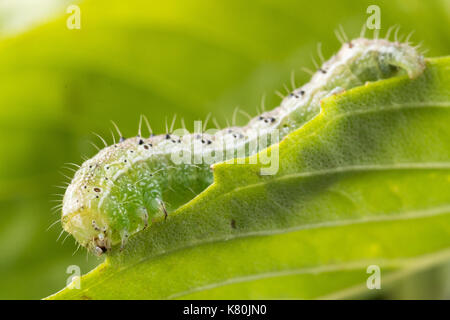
x,y
73,164
113,136
173,123
94,145
60,234
338,36
316,65
293,85
101,138
397,29
139,127
69,168
149,128
308,71
278,93
167,125
344,35
52,225
389,31
205,123
65,238
362,33
57,194
234,118
216,123
121,137
76,250
263,103
408,37
245,114
65,176
285,87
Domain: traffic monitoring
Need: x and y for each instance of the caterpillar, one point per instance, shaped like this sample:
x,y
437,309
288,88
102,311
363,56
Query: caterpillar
x,y
121,189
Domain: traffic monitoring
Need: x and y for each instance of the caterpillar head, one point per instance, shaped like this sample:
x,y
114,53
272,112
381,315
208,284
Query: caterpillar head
x,y
81,216
104,204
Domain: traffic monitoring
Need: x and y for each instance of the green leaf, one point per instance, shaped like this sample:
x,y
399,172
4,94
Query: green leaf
x,y
364,183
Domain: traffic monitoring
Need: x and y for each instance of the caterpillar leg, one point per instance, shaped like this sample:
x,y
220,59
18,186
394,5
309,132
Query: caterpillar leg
x,y
145,218
162,207
124,239
98,251
100,242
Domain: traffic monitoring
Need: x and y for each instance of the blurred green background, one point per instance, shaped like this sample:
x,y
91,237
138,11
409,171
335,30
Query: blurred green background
x,y
157,58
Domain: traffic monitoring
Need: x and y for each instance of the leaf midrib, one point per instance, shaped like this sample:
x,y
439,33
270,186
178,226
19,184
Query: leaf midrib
x,y
412,264
355,168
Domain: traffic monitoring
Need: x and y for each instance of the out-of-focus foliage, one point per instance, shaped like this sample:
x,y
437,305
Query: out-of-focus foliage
x,y
154,58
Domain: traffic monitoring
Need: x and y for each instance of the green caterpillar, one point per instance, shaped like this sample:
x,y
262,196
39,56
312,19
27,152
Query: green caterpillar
x,y
117,192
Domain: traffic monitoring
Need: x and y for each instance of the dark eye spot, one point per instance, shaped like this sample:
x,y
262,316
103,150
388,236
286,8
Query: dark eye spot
x,y
266,120
167,136
302,92
272,119
107,167
260,118
97,189
146,147
203,141
90,167
141,141
209,141
84,187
